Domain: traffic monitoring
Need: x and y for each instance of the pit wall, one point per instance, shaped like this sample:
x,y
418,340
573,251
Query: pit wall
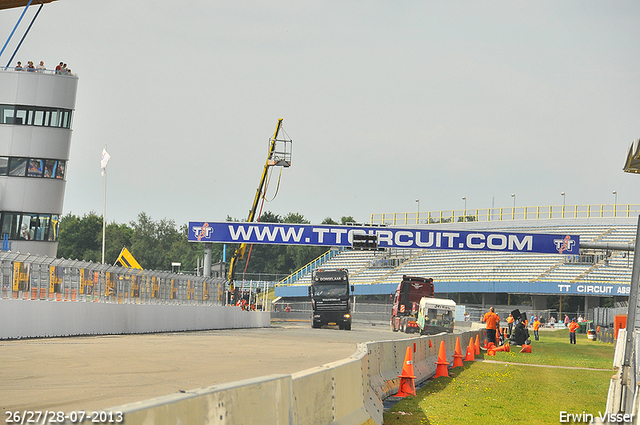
x,y
347,392
34,319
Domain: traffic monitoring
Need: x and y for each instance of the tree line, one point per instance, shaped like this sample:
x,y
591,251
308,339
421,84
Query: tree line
x,y
155,244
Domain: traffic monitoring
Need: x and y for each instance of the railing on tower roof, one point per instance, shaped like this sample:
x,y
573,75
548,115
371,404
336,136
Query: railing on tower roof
x,y
37,71
509,213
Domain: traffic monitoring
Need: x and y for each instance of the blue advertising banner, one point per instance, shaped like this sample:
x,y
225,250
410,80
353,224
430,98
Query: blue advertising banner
x,y
543,288
325,235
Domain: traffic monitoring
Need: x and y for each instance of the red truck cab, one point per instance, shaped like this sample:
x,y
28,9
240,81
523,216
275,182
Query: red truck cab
x,y
406,302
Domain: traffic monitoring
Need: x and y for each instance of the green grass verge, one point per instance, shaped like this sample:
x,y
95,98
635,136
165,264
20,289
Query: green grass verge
x,y
554,349
506,393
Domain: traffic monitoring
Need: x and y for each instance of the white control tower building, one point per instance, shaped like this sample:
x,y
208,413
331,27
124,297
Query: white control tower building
x,y
36,117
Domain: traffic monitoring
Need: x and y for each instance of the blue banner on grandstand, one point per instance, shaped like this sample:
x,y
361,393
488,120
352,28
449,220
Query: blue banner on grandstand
x,y
512,287
324,235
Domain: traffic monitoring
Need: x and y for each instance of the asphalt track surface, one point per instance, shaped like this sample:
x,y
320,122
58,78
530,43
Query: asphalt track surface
x,y
99,372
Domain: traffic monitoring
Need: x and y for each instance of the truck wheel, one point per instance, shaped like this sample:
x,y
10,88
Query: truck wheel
x,y
315,325
347,327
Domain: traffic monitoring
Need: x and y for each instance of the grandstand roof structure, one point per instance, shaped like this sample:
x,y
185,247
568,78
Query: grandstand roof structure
x,y
632,163
10,4
594,272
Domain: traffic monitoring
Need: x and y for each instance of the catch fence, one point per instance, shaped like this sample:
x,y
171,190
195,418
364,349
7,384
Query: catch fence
x,y
32,277
605,316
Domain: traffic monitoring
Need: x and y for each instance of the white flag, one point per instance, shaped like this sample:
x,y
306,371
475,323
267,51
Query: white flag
x,y
105,160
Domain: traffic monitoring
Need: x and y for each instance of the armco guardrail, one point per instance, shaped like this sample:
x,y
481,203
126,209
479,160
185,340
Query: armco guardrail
x,y
347,392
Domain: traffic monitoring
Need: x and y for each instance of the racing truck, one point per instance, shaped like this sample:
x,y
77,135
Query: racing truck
x,y
406,303
330,298
436,315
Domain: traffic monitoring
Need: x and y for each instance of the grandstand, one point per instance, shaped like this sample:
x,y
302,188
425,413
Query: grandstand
x,y
592,273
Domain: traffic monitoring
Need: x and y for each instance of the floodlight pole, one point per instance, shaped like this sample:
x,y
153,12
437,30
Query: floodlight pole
x,y
513,213
464,214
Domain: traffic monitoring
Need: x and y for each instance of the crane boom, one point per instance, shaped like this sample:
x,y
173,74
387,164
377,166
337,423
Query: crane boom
x,y
272,160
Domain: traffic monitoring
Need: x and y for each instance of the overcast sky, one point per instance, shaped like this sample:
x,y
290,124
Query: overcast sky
x,y
386,103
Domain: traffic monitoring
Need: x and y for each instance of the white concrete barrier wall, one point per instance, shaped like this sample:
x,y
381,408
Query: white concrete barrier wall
x,y
260,401
32,319
331,394
348,392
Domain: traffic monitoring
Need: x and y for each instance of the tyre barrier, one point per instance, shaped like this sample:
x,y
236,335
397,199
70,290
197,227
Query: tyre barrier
x,y
346,392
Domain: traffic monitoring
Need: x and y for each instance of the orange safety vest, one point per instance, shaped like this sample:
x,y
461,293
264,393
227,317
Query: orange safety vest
x,y
492,319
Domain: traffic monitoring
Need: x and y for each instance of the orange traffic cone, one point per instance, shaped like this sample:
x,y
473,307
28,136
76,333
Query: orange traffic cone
x,y
457,356
485,345
429,343
526,349
407,378
504,348
443,365
470,352
477,345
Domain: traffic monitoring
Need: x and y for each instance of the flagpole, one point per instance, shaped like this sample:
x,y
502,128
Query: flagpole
x,y
104,214
103,164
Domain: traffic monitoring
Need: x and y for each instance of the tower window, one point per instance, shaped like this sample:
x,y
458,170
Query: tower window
x,y
36,116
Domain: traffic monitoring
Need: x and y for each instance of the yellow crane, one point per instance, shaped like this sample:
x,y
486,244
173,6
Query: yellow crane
x,y
126,260
279,156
